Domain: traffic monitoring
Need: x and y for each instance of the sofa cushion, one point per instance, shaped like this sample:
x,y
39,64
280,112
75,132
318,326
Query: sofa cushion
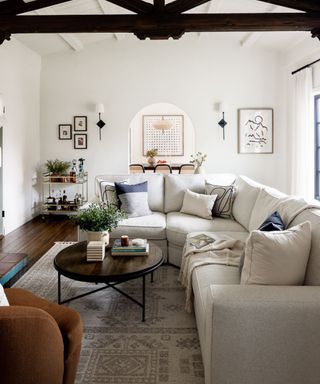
x,y
198,204
176,185
108,193
3,298
267,202
313,268
290,207
247,193
180,224
155,186
133,198
225,197
278,257
146,227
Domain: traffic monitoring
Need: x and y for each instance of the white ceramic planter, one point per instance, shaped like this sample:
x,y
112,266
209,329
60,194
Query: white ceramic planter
x,y
94,236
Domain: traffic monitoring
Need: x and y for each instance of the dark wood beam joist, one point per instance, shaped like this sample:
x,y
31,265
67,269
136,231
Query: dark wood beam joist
x,y
19,6
159,6
153,24
316,33
179,6
301,5
136,6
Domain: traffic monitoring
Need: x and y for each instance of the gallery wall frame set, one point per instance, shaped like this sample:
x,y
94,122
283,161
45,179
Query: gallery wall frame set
x,y
80,140
65,131
80,123
255,130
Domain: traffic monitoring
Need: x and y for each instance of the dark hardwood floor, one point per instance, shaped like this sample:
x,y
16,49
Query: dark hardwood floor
x,y
37,236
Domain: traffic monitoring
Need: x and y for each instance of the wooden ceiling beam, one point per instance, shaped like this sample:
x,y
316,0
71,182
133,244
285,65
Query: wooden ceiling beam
x,y
136,6
301,5
151,24
19,6
179,6
159,6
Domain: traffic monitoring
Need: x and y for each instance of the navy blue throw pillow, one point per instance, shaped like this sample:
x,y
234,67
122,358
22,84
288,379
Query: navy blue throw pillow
x,y
133,198
272,223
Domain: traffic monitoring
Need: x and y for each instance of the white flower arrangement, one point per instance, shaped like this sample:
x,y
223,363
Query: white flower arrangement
x,y
198,159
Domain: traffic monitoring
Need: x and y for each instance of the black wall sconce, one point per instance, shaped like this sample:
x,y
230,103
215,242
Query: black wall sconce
x,y
222,108
100,123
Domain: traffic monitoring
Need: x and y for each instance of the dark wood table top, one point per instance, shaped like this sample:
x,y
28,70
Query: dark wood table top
x,y
72,262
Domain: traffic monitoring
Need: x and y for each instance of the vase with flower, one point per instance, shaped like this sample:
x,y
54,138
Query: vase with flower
x,y
198,159
151,156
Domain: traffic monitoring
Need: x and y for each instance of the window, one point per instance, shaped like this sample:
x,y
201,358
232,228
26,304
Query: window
x,y
317,146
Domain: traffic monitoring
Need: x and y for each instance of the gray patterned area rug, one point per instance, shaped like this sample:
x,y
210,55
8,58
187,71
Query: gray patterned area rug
x,y
117,347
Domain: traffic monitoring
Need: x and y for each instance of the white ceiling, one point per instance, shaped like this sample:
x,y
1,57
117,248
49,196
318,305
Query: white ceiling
x,y
46,44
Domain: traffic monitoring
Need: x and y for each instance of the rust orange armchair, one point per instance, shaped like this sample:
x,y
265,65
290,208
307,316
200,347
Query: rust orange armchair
x,y
40,341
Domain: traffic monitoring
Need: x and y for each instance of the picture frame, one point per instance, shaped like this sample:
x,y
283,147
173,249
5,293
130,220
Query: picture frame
x,y
65,132
80,141
169,142
255,130
80,123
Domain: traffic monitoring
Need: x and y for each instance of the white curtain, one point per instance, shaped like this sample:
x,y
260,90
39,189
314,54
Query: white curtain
x,y
302,137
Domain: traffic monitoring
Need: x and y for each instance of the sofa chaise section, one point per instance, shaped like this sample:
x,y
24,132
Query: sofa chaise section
x,y
260,334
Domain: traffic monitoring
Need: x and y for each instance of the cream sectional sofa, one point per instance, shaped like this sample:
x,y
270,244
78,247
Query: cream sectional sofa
x,y
249,334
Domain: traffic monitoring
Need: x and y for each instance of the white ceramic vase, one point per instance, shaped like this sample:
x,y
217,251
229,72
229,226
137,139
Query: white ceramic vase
x,y
151,160
199,170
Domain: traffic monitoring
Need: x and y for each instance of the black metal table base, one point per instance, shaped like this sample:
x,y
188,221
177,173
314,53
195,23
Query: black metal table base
x,y
110,285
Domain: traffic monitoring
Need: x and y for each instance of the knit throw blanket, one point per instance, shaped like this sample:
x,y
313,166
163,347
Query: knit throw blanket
x,y
207,249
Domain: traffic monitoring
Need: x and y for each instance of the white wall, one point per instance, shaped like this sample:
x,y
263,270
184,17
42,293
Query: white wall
x,y
20,84
191,73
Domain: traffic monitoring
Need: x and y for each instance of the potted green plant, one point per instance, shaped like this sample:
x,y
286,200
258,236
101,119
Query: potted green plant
x,y
151,156
97,220
57,168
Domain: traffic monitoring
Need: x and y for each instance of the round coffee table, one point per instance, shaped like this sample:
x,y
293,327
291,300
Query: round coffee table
x,y
72,262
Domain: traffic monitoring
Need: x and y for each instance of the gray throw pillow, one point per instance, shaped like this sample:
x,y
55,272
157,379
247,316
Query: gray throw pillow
x,y
225,197
133,198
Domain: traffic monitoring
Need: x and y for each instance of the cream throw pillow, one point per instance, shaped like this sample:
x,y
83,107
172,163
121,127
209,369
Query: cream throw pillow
x,y
198,204
277,257
3,298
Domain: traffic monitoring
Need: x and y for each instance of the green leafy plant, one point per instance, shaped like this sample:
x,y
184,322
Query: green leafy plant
x,y
58,167
99,217
198,159
152,152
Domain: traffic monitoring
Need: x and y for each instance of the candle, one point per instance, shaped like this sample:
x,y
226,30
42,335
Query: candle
x,y
124,241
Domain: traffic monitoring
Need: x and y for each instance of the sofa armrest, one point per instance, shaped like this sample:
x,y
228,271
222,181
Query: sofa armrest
x,y
262,334
30,342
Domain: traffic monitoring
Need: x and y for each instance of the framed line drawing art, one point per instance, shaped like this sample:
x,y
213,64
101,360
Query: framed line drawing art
x,y
65,131
255,130
80,123
80,141
168,141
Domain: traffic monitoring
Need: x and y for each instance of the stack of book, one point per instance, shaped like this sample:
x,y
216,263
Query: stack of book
x,y
95,251
131,250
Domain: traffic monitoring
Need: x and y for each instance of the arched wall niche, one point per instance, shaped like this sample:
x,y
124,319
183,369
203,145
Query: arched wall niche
x,y
136,134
